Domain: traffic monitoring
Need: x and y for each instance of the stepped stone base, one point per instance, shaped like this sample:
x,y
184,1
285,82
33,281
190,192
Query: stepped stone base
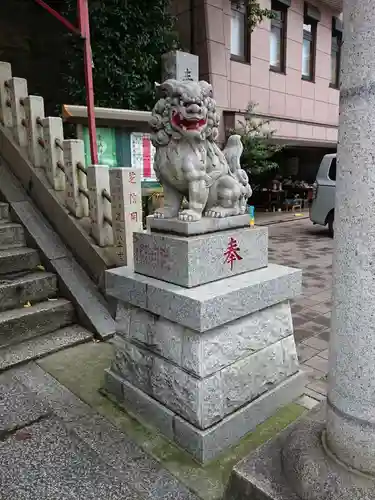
x,y
203,445
203,226
201,259
205,401
297,465
207,306
213,361
204,350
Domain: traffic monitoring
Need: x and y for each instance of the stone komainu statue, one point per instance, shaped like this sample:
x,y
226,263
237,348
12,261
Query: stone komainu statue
x,y
188,162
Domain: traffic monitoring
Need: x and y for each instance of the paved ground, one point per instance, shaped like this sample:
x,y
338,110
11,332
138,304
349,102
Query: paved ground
x,y
301,244
71,442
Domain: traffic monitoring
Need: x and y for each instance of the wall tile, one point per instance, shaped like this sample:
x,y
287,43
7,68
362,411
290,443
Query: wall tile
x,y
227,30
287,129
297,6
319,133
218,58
239,96
260,73
322,90
307,109
295,26
220,87
323,65
215,21
261,97
321,112
277,103
333,114
294,55
324,39
277,81
333,96
293,82
260,44
240,73
332,134
307,89
304,131
293,106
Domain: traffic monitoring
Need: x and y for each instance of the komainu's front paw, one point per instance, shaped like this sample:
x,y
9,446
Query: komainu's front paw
x,y
189,215
165,213
159,214
219,212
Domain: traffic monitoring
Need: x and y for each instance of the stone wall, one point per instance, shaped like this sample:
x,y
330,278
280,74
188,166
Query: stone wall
x,y
34,43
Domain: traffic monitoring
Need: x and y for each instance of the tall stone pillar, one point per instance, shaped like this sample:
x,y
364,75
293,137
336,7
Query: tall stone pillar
x,y
330,455
351,397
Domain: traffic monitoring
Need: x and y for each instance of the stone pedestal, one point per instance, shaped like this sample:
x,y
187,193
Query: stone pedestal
x,y
204,349
330,455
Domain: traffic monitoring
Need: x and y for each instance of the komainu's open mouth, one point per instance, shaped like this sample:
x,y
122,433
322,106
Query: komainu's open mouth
x,y
188,123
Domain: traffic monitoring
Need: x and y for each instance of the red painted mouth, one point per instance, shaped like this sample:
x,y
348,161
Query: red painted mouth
x,y
188,124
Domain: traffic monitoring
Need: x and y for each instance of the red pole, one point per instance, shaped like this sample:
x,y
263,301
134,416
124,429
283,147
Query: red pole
x,y
84,26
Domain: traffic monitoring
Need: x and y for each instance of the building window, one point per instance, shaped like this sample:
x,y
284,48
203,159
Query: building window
x,y
278,37
336,52
308,49
240,36
310,26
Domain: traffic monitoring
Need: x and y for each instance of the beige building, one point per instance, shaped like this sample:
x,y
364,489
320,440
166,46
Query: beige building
x,y
289,66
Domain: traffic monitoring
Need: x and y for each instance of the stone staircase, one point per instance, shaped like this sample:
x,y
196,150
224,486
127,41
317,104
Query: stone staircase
x,y
34,319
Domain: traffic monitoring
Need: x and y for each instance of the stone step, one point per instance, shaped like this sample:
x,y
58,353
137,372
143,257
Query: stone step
x,y
4,211
11,235
22,324
16,290
44,345
13,260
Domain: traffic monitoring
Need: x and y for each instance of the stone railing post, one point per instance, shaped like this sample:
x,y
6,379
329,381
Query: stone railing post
x,y
5,110
34,114
126,194
17,89
100,207
76,194
53,152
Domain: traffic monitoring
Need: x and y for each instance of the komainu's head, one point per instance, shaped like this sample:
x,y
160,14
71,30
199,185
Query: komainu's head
x,y
184,110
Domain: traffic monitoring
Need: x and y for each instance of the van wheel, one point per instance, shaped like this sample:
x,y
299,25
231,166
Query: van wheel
x,y
330,221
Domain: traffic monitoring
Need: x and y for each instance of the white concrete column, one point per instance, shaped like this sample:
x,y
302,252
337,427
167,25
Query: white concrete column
x,y
100,208
351,397
34,113
6,117
53,151
17,88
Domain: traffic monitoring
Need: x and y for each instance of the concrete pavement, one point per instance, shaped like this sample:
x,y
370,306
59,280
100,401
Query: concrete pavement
x,y
60,438
301,244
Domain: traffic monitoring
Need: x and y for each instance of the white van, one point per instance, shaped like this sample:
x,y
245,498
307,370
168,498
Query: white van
x,y
322,209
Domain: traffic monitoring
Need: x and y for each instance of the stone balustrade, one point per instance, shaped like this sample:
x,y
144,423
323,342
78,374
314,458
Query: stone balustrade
x,y
110,199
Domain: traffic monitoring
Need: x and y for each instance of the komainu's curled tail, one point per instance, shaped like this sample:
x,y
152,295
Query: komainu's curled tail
x,y
233,152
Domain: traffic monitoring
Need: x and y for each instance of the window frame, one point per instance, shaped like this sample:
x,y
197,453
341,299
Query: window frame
x,y
240,6
311,37
332,170
336,52
282,25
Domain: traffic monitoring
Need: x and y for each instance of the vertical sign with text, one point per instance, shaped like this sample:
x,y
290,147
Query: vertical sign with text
x,y
126,194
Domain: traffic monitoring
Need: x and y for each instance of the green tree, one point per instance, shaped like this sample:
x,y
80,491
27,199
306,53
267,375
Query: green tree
x,y
259,150
256,13
128,38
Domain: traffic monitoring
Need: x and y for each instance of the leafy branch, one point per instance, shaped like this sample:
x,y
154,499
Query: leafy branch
x,y
256,136
255,13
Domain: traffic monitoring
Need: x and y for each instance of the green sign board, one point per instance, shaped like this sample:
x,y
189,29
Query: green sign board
x,y
106,141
